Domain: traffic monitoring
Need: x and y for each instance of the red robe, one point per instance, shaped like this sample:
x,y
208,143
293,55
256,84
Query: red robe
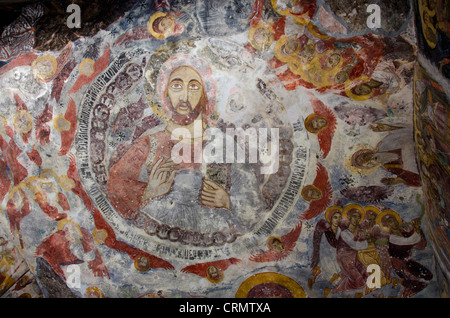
x,y
124,188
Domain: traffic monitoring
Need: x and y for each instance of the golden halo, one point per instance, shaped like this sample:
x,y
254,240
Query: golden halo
x,y
62,223
331,209
23,122
31,182
214,280
61,124
252,33
269,277
157,108
351,206
270,240
94,291
281,54
139,267
48,173
34,183
44,74
282,12
287,12
48,185
360,171
371,209
307,187
316,31
153,31
300,20
383,214
17,189
308,121
349,92
66,182
100,235
86,67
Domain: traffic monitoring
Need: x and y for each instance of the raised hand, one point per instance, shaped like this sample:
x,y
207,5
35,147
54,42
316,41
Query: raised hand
x,y
214,196
98,267
160,179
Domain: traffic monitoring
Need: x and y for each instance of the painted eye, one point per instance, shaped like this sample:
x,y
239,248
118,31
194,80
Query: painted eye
x,y
176,86
194,87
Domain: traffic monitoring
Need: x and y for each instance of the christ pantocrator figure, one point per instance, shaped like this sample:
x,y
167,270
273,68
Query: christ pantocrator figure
x,y
180,194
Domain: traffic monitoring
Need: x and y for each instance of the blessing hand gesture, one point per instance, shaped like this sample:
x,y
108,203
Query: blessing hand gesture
x,y
160,179
213,195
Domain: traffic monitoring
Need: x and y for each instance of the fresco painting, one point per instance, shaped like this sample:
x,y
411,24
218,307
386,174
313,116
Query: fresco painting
x,y
225,149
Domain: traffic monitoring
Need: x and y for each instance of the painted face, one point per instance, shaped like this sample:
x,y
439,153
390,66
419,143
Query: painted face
x,y
165,24
143,261
261,36
372,218
318,122
392,223
336,218
185,91
333,60
277,245
355,217
213,272
311,193
291,46
365,160
308,52
23,121
363,89
43,67
341,77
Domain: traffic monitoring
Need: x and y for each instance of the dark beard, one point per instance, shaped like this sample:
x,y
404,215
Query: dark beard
x,y
186,119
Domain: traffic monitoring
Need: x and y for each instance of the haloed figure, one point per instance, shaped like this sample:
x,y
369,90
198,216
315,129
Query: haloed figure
x,y
353,273
315,123
149,180
389,160
162,24
310,192
396,154
323,259
291,46
403,239
274,243
214,275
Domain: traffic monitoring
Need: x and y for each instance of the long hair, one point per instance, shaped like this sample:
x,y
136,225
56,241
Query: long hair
x,y
209,85
195,111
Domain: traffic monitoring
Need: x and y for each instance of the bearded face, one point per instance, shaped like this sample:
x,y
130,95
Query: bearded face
x,y
185,93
